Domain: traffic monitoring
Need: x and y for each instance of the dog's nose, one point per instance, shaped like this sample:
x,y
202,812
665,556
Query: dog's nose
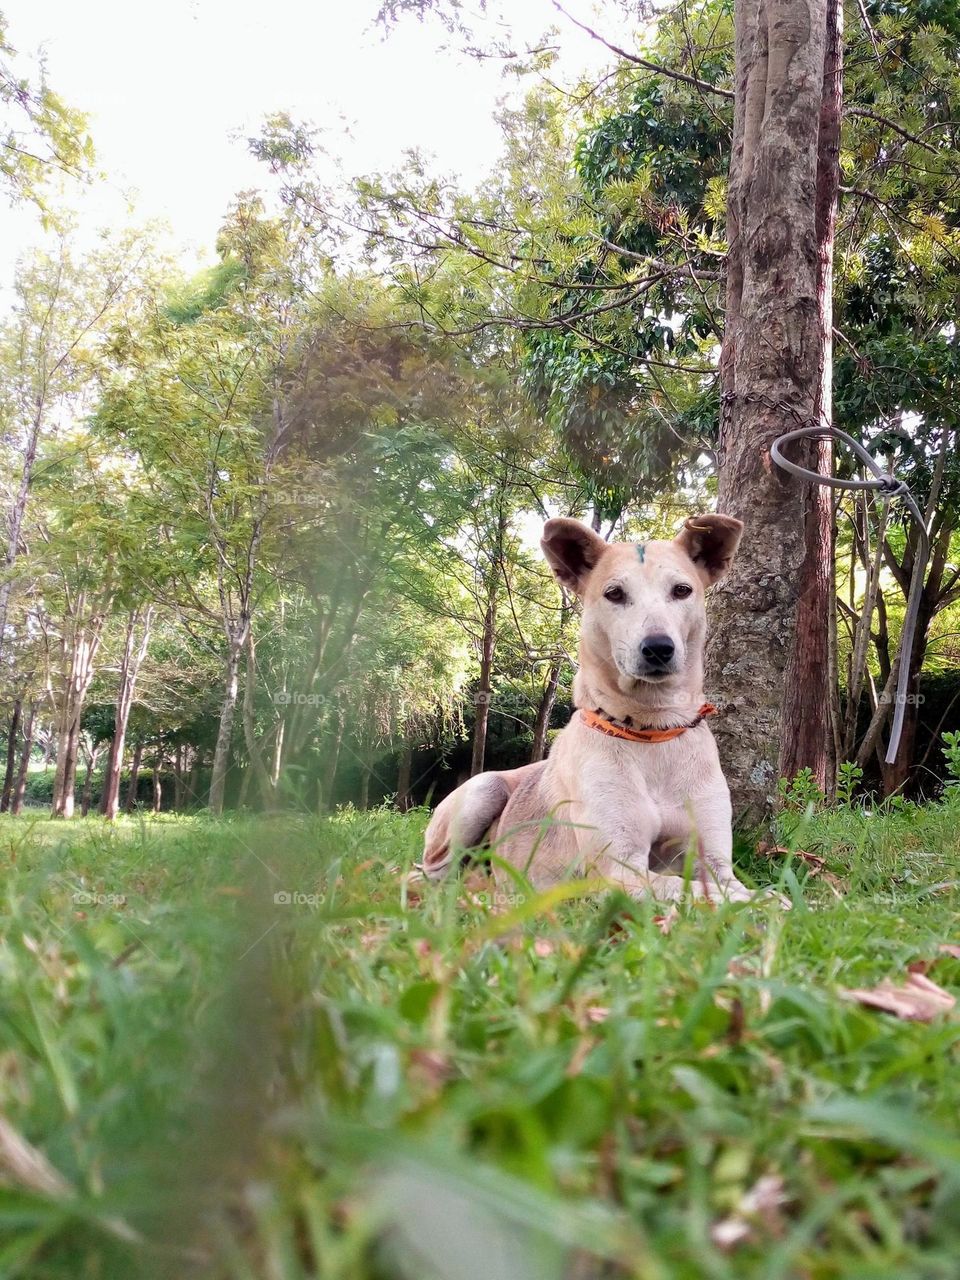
x,y
657,649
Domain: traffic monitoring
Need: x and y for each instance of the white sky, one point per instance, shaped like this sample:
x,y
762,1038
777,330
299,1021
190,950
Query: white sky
x,y
166,86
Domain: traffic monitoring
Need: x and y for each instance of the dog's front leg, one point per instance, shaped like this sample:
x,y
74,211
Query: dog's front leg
x,y
617,848
713,828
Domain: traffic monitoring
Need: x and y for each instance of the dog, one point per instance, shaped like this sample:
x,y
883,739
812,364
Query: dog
x,y
633,783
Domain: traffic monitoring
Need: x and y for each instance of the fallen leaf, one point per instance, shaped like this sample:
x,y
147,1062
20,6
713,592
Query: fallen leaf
x,y
918,1000
811,860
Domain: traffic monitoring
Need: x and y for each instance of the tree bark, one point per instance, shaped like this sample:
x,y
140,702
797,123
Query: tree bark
x,y
221,754
807,740
484,690
12,735
20,788
133,656
88,781
328,780
157,784
134,777
541,725
15,518
771,373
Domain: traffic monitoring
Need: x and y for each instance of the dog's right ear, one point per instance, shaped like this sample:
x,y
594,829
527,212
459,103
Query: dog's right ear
x,y
571,550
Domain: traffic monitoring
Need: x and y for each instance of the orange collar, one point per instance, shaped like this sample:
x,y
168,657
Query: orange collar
x,y
596,721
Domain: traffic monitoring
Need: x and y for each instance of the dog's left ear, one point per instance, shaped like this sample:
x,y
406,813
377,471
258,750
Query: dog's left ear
x,y
711,543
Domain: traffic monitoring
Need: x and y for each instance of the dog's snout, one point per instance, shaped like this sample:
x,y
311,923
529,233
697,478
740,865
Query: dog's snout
x,y
657,649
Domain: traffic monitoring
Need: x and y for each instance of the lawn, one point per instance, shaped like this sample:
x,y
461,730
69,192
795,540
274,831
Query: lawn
x,y
254,1049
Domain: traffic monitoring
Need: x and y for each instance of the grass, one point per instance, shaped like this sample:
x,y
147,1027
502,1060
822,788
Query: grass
x,y
379,1080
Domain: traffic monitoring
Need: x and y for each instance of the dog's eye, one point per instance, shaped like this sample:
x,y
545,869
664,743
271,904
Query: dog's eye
x,y
616,595
682,590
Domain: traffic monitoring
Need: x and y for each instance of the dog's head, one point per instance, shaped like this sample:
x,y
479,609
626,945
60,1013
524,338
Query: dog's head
x,y
643,602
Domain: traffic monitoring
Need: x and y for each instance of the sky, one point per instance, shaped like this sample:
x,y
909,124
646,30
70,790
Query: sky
x,y
169,87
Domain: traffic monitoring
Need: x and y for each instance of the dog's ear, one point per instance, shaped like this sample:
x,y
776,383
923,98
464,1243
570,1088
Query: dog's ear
x,y
711,543
571,550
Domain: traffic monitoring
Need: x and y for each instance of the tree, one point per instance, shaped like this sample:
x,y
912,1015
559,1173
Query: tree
x,y
40,136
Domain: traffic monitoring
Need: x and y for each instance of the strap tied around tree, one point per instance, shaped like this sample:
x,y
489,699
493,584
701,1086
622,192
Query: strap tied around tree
x,y
889,487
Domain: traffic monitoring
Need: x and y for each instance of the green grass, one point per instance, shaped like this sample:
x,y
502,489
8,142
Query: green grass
x,y
379,1083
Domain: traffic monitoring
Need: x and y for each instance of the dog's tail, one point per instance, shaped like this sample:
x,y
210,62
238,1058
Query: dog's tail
x,y
462,822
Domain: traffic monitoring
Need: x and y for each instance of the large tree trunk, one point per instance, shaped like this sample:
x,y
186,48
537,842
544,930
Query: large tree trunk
x,y
130,665
771,372
807,740
484,689
19,790
12,735
221,754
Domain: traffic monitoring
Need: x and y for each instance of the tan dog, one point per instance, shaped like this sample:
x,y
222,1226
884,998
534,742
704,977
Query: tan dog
x,y
633,782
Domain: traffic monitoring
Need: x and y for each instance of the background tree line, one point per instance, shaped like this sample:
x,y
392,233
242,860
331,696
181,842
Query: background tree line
x,y
271,530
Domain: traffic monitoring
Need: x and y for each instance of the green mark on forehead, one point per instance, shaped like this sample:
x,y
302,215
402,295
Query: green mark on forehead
x,y
641,551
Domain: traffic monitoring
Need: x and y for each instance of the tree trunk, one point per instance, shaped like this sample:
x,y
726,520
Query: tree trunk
x,y
329,777
192,777
12,735
157,784
134,777
178,761
19,790
88,781
404,772
541,725
807,740
255,759
484,691
771,372
130,665
221,754
15,518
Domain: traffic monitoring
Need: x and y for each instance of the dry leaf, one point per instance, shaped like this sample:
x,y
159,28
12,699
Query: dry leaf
x,y
918,1000
811,860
